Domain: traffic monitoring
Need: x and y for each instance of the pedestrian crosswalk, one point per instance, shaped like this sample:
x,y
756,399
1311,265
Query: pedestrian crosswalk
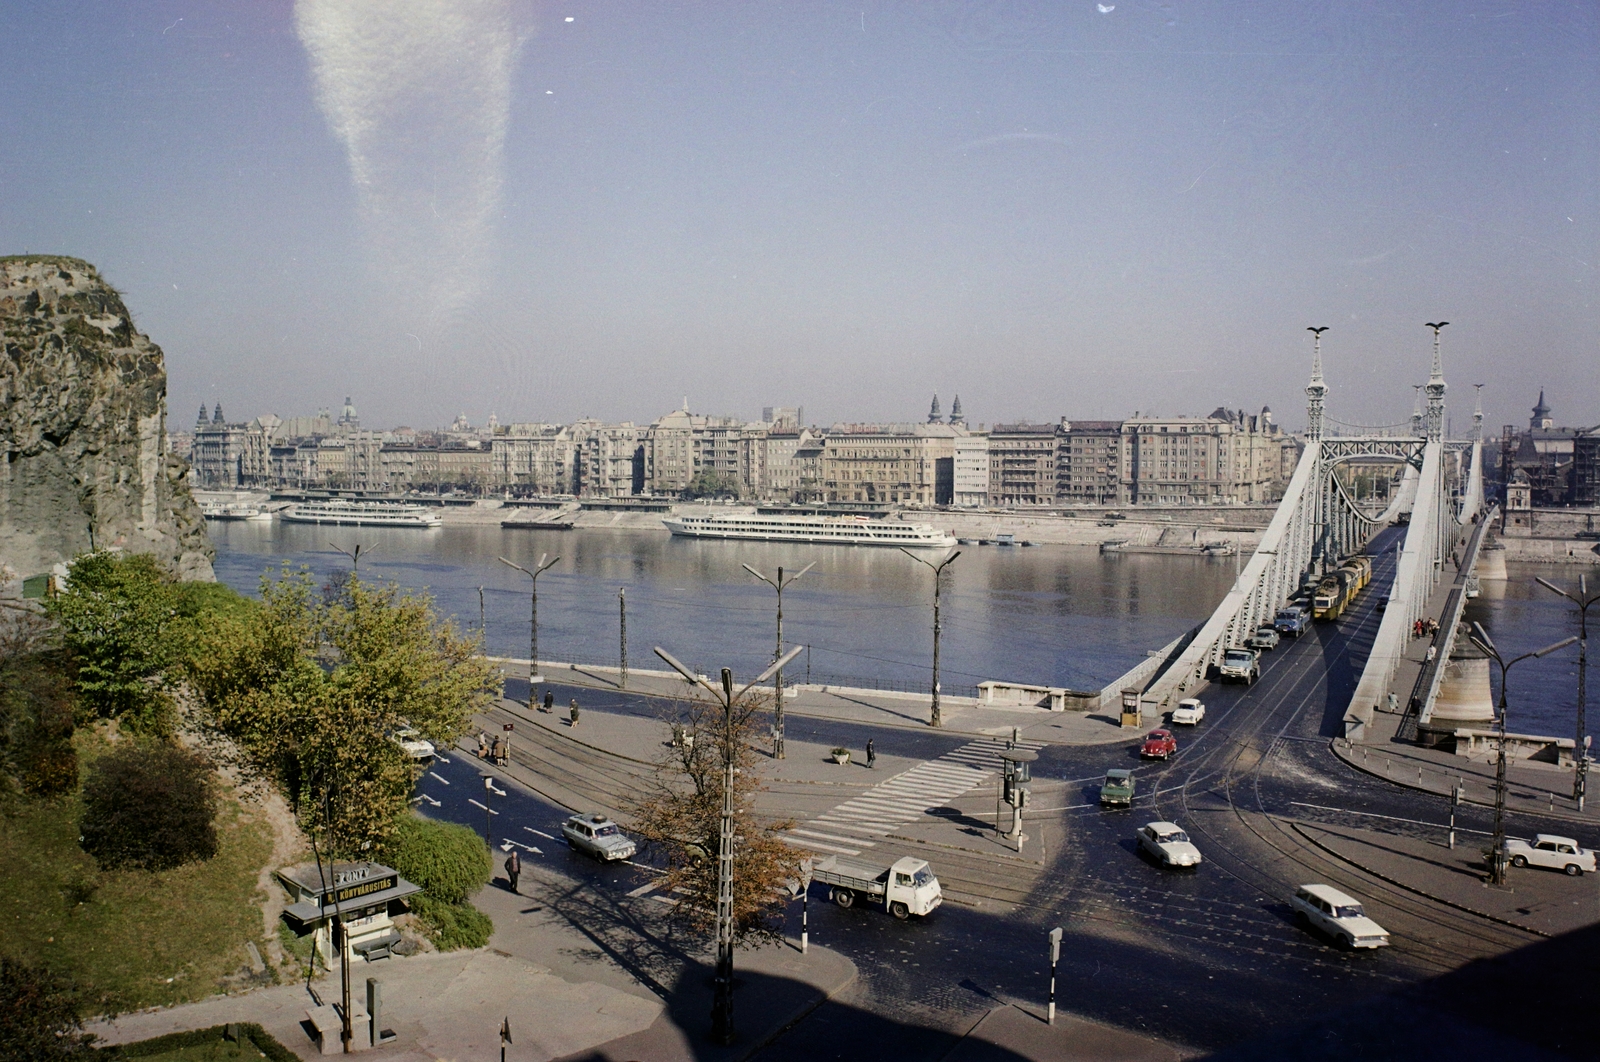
x,y
850,827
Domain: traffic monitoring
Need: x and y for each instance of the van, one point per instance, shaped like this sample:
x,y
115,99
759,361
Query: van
x,y
1342,917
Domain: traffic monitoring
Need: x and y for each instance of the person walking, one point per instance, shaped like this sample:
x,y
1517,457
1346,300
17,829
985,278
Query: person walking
x,y
498,749
572,712
549,701
872,753
483,745
513,867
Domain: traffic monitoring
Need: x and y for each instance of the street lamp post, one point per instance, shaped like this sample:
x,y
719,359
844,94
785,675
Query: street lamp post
x,y
355,558
722,1000
777,679
622,635
533,626
1480,638
934,719
1580,755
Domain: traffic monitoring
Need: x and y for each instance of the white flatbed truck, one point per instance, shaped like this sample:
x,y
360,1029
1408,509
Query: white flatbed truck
x,y
905,888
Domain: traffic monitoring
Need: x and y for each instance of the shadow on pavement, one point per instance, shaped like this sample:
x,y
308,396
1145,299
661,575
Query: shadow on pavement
x,y
1536,1003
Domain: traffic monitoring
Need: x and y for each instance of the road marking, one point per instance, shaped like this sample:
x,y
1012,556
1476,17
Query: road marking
x,y
669,901
439,776
440,758
509,842
475,804
1391,818
832,838
642,889
641,866
530,829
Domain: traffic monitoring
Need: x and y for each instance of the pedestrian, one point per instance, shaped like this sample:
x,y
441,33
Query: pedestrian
x,y
1433,651
504,758
483,745
498,749
572,712
872,753
549,701
513,867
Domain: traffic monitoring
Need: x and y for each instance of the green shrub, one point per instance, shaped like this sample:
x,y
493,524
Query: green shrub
x,y
452,925
242,1032
39,1016
149,805
450,862
36,724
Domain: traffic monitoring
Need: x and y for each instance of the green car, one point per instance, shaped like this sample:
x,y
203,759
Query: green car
x,y
1118,787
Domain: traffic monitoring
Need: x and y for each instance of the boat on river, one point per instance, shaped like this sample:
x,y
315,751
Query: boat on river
x,y
234,512
836,530
362,513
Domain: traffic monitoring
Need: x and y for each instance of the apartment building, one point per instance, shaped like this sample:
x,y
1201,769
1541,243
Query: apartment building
x,y
1089,463
1227,458
971,483
889,465
1022,464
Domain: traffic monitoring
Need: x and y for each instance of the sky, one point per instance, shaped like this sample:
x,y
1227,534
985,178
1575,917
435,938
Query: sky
x,y
1080,209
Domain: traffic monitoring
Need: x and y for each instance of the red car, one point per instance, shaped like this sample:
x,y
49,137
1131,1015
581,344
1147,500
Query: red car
x,y
1158,745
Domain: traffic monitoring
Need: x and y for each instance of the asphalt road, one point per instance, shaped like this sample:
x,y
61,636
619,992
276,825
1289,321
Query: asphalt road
x,y
1209,957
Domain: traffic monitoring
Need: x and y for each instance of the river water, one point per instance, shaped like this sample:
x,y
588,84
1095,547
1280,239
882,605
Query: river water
x,y
1048,615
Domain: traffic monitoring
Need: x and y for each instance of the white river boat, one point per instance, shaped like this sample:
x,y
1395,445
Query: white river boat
x,y
836,530
234,512
362,513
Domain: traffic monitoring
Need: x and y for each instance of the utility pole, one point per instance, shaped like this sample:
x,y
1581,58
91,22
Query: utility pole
x,y
934,718
777,679
533,625
480,612
622,615
355,558
1480,638
1580,752
722,999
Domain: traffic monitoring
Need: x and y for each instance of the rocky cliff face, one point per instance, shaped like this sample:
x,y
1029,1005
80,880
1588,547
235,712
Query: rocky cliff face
x,y
83,443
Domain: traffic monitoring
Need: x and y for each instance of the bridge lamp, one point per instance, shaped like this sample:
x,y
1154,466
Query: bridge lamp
x,y
1480,638
778,584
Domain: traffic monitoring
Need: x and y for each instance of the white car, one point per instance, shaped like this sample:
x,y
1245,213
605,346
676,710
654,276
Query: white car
x,y
597,836
1340,916
1548,850
1189,712
415,745
1167,842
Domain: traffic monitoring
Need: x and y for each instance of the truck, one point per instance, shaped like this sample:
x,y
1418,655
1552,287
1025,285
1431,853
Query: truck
x,y
1239,664
906,887
1292,620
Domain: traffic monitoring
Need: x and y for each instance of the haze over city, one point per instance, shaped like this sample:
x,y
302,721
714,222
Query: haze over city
x,y
551,210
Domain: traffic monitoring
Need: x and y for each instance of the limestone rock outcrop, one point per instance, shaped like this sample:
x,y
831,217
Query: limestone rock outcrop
x,y
84,462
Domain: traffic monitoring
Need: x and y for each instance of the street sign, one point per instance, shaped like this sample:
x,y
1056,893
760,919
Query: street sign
x,y
1055,945
508,726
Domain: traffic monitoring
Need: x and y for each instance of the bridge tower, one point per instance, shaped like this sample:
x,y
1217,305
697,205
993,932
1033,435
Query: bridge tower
x,y
1435,389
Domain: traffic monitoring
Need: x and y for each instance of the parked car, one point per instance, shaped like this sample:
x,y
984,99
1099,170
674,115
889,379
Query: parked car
x,y
598,836
1548,850
1265,637
1158,745
1340,916
1167,842
415,745
1240,664
1118,787
1189,712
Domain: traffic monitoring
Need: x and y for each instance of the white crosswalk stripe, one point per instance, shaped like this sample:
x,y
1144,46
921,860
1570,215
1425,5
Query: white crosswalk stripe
x,y
902,798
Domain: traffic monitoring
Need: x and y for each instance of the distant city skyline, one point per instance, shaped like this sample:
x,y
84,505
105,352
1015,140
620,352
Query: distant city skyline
x,y
568,208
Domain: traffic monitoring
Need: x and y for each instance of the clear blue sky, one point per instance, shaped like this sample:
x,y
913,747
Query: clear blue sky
x,y
1077,208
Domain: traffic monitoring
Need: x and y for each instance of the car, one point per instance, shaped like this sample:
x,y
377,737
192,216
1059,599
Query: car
x,y
1158,745
1167,842
1118,787
1189,712
598,836
415,745
1240,663
1265,637
1548,850
1340,916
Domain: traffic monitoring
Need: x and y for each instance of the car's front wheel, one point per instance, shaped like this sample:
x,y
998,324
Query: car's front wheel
x,y
900,911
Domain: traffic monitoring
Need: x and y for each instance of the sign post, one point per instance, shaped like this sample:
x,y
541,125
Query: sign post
x,y
805,904
1055,956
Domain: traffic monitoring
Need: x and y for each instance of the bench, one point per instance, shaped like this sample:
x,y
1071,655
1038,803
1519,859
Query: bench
x,y
377,947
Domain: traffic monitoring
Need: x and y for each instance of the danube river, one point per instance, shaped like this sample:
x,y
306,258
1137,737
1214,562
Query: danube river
x,y
1047,615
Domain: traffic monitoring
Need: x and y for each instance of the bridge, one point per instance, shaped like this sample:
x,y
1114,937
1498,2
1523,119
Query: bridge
x,y
1322,521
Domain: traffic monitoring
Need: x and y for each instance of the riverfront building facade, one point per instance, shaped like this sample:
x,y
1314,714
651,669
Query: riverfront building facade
x,y
1227,457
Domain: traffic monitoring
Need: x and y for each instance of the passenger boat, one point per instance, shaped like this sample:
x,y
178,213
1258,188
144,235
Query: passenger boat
x,y
838,530
362,513
234,512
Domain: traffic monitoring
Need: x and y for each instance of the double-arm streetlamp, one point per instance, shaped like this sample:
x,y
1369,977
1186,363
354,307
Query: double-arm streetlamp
x,y
533,627
722,1001
777,677
1580,755
1480,638
934,719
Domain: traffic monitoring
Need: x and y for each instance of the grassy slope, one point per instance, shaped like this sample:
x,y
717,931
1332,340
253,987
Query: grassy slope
x,y
130,938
